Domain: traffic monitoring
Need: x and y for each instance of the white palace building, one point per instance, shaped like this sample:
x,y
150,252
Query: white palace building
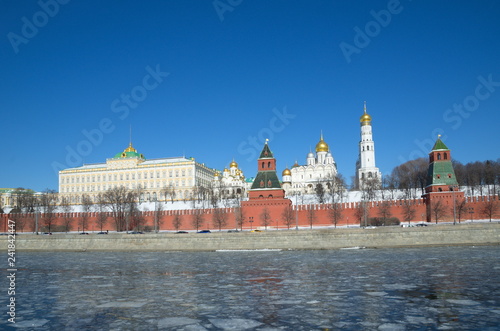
x,y
131,169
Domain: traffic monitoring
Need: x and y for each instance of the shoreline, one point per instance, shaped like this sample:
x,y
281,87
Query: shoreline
x,y
315,239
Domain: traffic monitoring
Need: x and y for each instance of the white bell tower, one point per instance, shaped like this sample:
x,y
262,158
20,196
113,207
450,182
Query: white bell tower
x,y
365,167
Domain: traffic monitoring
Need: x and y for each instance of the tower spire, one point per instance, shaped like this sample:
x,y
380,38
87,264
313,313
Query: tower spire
x,y
364,107
130,135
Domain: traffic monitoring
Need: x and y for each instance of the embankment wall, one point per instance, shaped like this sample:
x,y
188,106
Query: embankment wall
x,y
438,235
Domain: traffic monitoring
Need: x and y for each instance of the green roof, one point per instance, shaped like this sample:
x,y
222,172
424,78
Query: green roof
x,y
266,152
128,154
266,180
441,173
439,145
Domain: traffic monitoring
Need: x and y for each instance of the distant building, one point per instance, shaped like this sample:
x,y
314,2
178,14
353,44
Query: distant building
x,y
232,181
131,169
365,165
319,168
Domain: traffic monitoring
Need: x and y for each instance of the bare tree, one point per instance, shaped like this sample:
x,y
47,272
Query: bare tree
x,y
136,217
102,216
177,221
219,217
384,211
48,205
288,216
409,211
336,188
489,208
24,200
169,191
239,217
438,210
311,215
118,201
265,218
19,220
335,213
87,208
197,218
320,192
157,215
67,209
461,209
361,213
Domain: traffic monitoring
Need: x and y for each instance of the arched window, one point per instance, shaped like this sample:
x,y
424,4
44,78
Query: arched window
x,y
263,164
439,156
445,156
269,164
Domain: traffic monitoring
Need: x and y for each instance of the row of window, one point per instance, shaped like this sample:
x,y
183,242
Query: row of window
x,y
124,176
130,186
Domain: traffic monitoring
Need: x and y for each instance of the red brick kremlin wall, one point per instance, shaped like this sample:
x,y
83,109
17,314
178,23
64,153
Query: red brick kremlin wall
x,y
321,216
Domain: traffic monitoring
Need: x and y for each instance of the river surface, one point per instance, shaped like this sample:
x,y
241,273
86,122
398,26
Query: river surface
x,y
444,288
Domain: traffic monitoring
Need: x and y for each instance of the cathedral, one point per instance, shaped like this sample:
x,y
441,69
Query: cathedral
x,y
231,182
319,167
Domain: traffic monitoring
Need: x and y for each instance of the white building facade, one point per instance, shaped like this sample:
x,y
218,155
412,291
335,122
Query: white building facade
x,y
232,181
131,170
319,168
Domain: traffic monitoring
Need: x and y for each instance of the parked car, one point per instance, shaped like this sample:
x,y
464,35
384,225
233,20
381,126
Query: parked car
x,y
421,224
256,230
102,232
204,231
136,232
406,225
181,232
230,231
84,233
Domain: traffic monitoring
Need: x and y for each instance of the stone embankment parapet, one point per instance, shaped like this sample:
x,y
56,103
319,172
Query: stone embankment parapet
x,y
434,235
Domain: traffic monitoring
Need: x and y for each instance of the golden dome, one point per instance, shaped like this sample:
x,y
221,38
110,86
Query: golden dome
x,y
130,149
365,119
286,172
233,165
322,146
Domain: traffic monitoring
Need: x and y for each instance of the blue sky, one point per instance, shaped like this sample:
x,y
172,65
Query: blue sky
x,y
212,79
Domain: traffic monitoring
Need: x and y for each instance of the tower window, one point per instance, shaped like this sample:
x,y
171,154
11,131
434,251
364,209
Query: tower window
x,y
439,156
445,156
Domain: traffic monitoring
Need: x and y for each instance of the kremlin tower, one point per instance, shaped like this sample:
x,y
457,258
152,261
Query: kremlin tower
x,y
442,186
266,192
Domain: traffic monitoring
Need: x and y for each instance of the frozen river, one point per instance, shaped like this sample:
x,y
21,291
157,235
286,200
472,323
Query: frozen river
x,y
446,288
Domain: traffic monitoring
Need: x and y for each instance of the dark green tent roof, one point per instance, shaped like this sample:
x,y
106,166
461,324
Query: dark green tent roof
x,y
439,145
266,152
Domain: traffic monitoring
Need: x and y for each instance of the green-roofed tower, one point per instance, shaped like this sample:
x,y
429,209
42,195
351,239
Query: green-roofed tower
x,y
440,175
442,190
266,198
266,176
